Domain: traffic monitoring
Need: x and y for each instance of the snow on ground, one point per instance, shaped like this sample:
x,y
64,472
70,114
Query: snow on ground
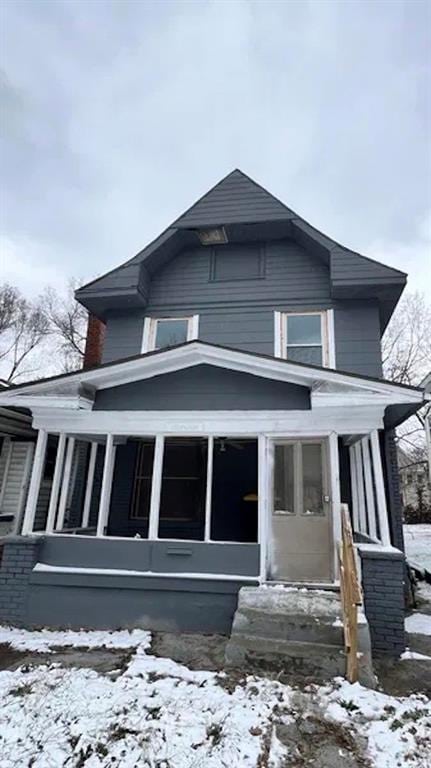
x,y
418,624
417,540
407,655
46,640
156,713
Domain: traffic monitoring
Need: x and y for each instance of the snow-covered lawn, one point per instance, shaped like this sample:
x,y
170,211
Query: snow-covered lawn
x,y
156,713
419,623
418,544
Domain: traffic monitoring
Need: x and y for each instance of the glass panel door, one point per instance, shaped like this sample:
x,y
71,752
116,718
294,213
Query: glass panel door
x,y
300,542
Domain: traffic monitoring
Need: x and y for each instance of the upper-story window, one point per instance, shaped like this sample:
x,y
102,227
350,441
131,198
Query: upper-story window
x,y
160,332
305,337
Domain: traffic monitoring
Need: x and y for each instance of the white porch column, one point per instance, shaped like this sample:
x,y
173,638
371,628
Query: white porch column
x,y
264,473
334,465
208,497
36,477
65,484
360,489
354,487
56,480
382,510
89,486
105,493
156,487
369,490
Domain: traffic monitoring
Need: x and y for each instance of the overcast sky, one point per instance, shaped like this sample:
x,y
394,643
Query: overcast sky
x,y
117,115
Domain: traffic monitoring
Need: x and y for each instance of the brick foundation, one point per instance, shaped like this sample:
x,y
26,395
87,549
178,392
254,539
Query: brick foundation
x,y
18,556
383,586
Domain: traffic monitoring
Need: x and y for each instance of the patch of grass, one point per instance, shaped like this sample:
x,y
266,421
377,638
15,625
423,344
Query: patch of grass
x,y
215,733
410,715
101,749
119,732
21,690
350,706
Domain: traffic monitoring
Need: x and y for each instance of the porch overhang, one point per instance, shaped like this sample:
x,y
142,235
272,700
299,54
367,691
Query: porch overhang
x,y
329,388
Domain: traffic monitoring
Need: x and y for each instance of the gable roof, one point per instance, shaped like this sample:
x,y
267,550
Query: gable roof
x,y
247,211
76,390
236,199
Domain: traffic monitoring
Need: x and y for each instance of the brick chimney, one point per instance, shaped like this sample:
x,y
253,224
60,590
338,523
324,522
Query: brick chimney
x,y
94,342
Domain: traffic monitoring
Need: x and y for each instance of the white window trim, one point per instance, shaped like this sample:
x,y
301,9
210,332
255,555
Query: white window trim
x,y
150,330
327,334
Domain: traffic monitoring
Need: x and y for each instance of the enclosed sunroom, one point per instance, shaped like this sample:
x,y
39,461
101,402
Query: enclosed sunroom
x,y
220,465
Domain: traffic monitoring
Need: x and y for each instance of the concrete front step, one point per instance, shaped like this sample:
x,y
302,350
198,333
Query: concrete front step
x,y
310,659
296,630
295,627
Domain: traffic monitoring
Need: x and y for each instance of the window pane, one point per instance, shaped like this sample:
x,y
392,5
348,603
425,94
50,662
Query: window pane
x,y
182,501
312,479
304,329
311,355
284,479
143,478
171,332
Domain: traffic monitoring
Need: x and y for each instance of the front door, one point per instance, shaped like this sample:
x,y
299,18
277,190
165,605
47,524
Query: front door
x,y
300,540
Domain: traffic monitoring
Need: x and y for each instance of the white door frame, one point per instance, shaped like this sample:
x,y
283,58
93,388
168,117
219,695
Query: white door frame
x,y
330,442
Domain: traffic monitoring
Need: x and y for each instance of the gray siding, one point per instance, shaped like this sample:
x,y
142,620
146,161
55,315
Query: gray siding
x,y
357,337
237,198
123,337
158,556
240,313
204,387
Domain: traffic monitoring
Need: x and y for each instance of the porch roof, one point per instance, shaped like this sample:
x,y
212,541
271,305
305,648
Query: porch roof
x,y
328,387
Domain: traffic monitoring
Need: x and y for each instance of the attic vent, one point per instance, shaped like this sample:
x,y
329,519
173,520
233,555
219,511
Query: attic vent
x,y
214,236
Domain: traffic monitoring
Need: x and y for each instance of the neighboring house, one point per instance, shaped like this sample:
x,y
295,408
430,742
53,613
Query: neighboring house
x,y
239,402
17,441
427,386
414,480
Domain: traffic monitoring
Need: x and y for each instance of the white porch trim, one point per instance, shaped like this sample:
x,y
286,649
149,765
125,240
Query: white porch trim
x,y
105,493
382,511
89,485
334,479
342,420
369,490
156,488
264,495
56,482
65,483
198,353
208,495
36,477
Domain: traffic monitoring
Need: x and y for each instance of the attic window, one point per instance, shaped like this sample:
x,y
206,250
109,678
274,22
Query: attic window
x,y
238,262
215,236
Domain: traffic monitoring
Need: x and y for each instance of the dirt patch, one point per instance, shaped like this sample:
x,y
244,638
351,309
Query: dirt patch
x,y
316,743
102,660
403,677
10,658
199,652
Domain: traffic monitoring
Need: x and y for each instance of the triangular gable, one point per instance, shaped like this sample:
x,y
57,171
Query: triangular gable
x,y
235,199
325,384
237,202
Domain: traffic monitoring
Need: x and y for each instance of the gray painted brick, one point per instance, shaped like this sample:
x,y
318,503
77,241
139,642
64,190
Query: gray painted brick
x,y
15,569
382,581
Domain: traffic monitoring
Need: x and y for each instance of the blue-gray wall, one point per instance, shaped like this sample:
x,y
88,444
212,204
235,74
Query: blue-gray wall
x,y
240,313
112,600
204,387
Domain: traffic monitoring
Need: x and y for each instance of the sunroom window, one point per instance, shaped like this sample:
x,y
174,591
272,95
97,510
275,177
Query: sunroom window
x,y
162,332
304,337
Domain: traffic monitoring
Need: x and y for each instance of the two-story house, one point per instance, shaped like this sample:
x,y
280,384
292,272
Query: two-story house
x,y
239,402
